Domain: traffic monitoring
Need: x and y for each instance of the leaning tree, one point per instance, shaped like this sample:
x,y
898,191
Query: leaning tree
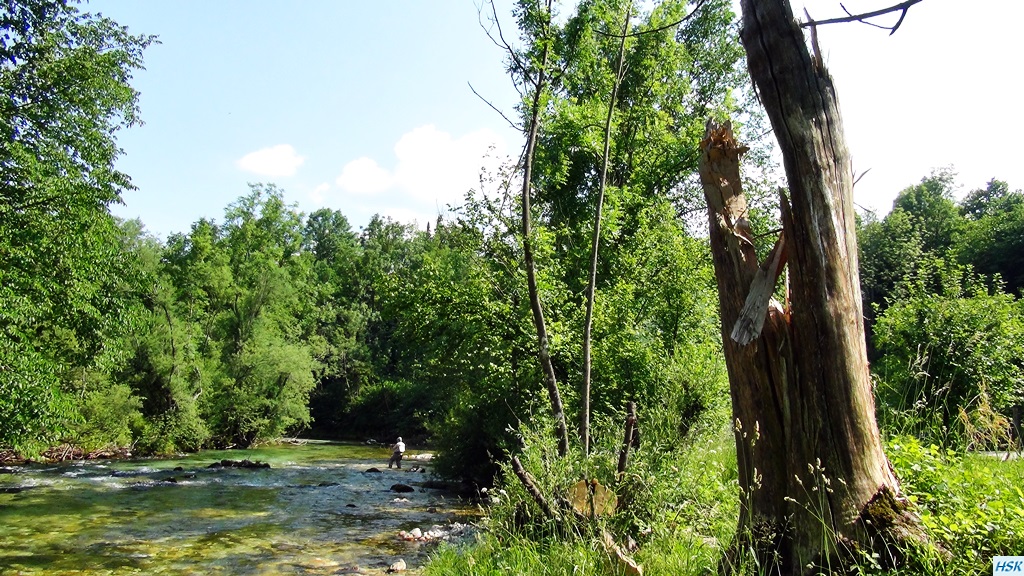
x,y
817,488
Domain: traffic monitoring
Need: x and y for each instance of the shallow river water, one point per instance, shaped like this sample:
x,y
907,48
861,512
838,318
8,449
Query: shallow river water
x,y
315,511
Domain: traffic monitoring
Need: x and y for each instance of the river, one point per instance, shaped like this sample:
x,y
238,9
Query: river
x,y
314,511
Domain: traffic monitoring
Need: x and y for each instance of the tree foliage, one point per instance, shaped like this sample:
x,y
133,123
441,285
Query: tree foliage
x,y
66,284
951,357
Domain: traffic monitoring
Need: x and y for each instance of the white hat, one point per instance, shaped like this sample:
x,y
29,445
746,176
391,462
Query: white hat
x,y
399,438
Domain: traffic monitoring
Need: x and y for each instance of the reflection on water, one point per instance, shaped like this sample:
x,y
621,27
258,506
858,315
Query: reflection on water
x,y
314,511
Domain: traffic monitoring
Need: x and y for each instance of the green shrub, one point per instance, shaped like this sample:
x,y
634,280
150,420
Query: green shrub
x,y
109,416
679,501
385,409
971,505
951,359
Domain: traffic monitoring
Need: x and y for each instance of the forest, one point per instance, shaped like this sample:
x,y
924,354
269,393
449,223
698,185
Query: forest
x,y
573,290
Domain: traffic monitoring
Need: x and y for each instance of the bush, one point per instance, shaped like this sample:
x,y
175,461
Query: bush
x,y
386,409
678,500
109,416
951,359
970,504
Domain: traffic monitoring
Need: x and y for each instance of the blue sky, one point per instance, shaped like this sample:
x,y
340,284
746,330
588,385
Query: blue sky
x,y
307,89
364,106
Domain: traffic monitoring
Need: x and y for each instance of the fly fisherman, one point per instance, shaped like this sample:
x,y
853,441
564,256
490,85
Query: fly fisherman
x,y
396,453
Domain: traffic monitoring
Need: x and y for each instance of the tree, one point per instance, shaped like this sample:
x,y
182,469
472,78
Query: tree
x,y
588,322
64,93
268,370
993,236
677,65
890,251
932,210
816,485
536,79
336,319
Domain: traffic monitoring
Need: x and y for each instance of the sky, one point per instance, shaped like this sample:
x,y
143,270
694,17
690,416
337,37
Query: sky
x,y
366,107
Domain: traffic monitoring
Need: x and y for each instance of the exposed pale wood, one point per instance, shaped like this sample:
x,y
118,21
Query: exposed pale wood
x,y
755,308
628,565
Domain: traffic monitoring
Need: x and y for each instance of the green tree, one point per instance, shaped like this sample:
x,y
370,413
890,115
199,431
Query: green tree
x,y
932,210
677,68
263,390
164,367
336,322
993,237
890,251
64,93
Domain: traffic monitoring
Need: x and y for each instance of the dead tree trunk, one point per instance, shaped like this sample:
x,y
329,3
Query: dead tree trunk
x,y
815,480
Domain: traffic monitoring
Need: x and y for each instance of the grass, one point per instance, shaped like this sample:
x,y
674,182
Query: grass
x,y
683,508
972,507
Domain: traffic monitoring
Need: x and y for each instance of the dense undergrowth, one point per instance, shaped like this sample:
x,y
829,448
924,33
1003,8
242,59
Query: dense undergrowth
x,y
683,504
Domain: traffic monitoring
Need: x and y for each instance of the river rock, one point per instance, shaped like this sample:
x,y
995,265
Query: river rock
x,y
451,533
250,464
373,471
396,566
402,488
354,569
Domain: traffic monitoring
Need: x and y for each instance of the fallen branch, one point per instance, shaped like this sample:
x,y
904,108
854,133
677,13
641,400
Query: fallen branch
x,y
628,565
531,486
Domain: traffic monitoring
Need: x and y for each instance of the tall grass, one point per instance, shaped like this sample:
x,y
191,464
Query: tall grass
x,y
679,504
684,510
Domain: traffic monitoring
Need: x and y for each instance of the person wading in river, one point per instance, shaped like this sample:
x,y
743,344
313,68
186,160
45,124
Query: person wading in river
x,y
396,453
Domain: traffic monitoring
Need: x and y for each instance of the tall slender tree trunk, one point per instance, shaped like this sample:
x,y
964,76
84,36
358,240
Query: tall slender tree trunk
x,y
540,84
596,241
816,485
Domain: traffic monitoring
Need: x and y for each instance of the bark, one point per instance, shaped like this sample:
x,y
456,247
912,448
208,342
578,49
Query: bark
x,y
596,241
531,486
627,438
816,484
540,84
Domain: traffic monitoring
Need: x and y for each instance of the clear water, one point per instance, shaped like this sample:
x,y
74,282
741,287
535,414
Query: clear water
x,y
315,511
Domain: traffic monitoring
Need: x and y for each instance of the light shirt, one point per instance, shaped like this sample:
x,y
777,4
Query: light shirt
x,y
400,447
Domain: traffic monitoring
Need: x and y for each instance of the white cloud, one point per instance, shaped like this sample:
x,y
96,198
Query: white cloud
x,y
280,160
317,195
364,176
405,215
432,169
